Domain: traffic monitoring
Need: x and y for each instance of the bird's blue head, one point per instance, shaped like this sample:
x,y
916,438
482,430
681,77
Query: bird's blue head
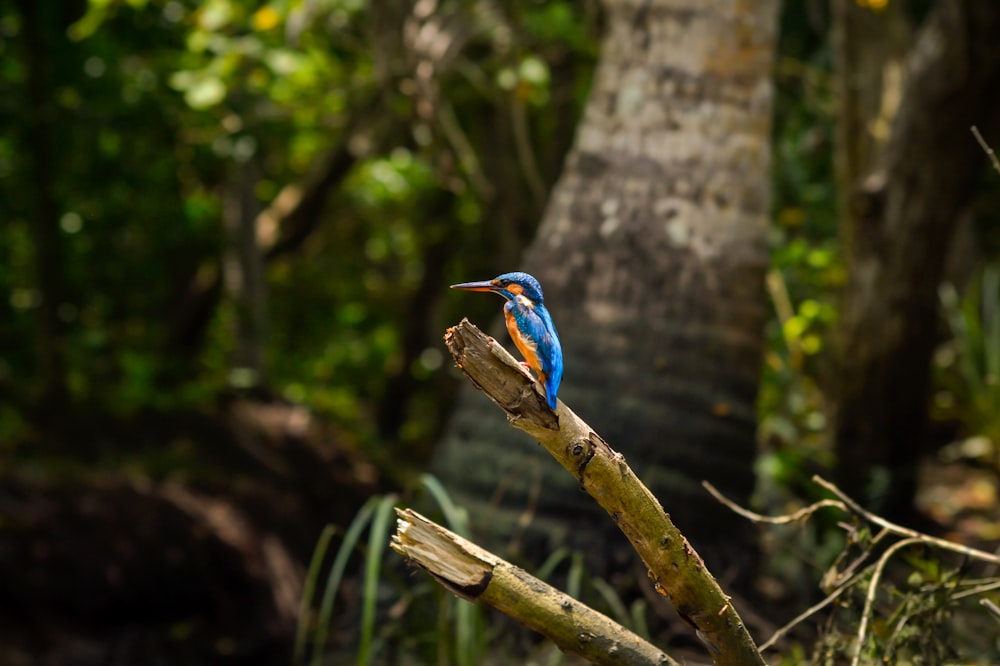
x,y
508,285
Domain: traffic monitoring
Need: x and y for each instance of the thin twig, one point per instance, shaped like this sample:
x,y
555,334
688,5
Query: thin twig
x,y
973,553
453,133
778,290
847,577
978,589
525,153
859,560
806,614
986,148
991,607
872,588
772,520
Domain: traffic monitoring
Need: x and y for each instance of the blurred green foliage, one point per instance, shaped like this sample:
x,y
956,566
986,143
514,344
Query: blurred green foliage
x,y
916,620
806,270
155,108
158,107
458,637
968,368
451,126
128,123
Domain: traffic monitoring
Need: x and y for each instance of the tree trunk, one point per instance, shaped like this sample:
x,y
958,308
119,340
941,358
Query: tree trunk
x,y
43,22
652,257
869,50
243,271
901,215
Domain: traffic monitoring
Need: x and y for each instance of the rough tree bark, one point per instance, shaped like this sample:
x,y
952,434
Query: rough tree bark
x,y
900,217
652,256
869,49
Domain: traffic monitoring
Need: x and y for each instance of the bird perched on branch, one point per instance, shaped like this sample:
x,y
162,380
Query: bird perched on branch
x,y
529,325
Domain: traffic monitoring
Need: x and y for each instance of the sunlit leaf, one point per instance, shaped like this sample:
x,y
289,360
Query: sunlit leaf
x,y
265,18
214,14
811,344
205,92
507,78
794,327
91,21
283,62
534,71
809,308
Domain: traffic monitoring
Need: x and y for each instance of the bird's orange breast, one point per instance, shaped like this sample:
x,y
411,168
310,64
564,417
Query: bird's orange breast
x,y
524,344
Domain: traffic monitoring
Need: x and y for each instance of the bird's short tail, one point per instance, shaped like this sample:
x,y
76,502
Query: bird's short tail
x,y
550,392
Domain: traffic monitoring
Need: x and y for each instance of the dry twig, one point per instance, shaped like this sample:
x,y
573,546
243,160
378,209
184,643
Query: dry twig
x,y
872,589
972,553
802,513
986,148
844,579
991,607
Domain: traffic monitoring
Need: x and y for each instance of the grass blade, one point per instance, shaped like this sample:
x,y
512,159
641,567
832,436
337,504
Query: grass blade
x,y
988,295
319,552
639,624
957,313
613,600
378,539
351,538
444,631
551,562
455,517
574,585
466,614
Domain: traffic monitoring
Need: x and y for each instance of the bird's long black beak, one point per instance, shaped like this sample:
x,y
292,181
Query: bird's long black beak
x,y
485,285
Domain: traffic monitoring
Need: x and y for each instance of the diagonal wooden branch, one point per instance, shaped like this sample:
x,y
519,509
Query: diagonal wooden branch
x,y
478,575
675,568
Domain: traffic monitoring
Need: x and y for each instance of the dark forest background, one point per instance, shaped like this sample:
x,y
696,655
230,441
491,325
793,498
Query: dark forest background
x,y
227,229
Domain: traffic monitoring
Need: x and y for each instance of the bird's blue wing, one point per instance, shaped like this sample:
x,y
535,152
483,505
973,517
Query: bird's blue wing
x,y
535,325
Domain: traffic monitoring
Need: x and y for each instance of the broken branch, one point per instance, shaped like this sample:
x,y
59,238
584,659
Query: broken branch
x,y
476,574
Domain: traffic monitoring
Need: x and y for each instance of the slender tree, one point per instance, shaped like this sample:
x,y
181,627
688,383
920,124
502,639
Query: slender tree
x,y
243,270
903,200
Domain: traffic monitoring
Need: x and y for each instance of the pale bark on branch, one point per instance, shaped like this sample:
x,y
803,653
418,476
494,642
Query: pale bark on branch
x,y
475,574
674,567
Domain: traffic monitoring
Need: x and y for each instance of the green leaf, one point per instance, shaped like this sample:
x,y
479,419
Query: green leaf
x,y
215,14
205,93
533,70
